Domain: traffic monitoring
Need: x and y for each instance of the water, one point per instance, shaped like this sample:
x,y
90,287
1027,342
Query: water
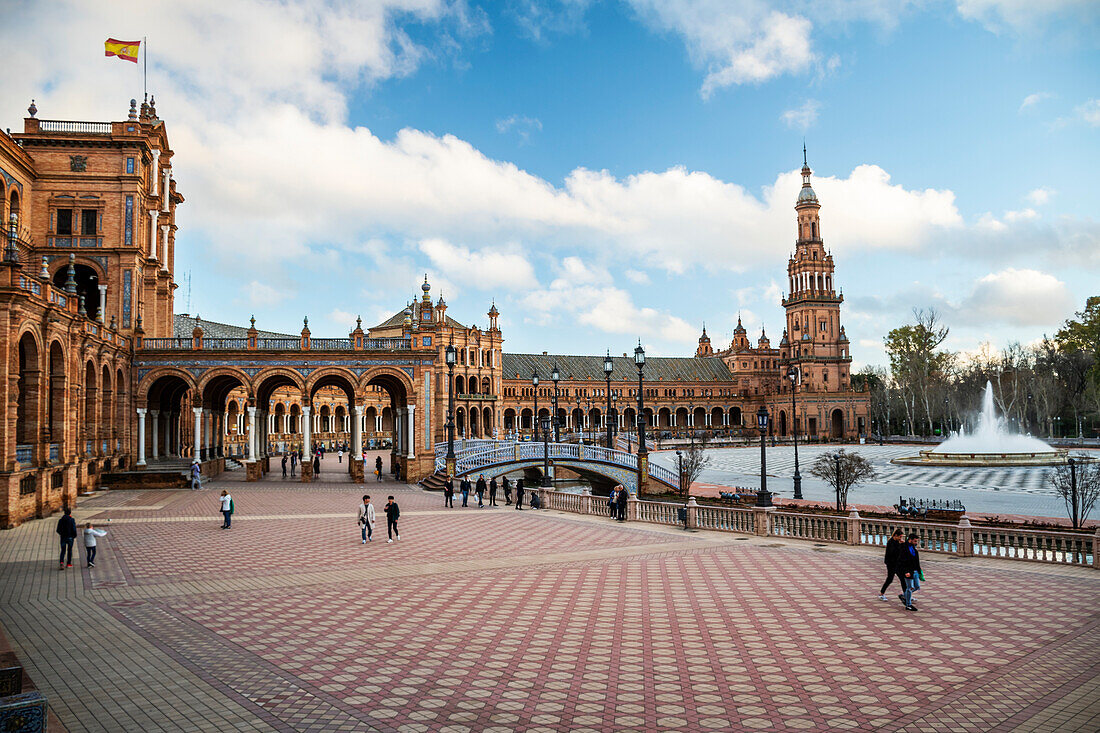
x,y
991,435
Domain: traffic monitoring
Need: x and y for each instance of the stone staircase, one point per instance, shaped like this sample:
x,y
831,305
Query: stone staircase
x,y
433,482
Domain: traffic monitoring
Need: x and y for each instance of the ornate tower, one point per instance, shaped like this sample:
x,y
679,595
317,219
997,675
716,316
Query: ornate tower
x,y
818,346
704,344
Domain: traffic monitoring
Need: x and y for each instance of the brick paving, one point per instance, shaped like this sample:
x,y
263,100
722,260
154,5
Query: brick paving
x,y
536,621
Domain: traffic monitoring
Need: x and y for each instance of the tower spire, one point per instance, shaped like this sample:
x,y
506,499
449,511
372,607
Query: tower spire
x,y
804,162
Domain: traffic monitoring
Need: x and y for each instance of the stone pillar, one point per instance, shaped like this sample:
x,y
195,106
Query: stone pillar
x,y
207,428
251,433
167,190
761,520
966,538
307,448
99,316
155,414
163,256
356,435
155,175
410,415
141,436
853,527
152,251
632,507
692,513
198,433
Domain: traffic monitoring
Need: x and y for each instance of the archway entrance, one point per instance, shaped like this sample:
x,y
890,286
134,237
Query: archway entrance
x,y
393,397
167,429
836,424
87,284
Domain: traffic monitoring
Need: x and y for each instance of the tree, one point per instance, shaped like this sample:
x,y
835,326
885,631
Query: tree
x,y
1083,334
916,364
695,459
1078,484
842,471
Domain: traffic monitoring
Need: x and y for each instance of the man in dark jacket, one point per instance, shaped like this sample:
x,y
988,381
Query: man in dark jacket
x,y
493,491
464,487
479,489
893,548
519,493
909,568
507,486
378,468
620,500
392,513
449,493
66,529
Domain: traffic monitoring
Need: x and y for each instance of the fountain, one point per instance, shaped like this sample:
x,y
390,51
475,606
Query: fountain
x,y
989,445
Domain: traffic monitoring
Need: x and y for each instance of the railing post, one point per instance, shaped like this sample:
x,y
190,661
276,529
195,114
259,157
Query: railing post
x,y
632,507
853,527
692,513
586,501
966,538
761,520
1096,549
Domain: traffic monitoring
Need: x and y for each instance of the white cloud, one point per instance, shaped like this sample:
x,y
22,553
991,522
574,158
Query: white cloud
x,y
343,320
802,118
1018,298
521,125
1033,99
484,269
1027,16
260,294
1040,196
637,276
1089,112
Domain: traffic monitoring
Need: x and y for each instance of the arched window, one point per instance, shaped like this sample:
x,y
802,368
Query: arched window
x,y
813,230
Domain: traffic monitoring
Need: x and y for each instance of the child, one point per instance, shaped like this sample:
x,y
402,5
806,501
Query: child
x,y
909,567
90,533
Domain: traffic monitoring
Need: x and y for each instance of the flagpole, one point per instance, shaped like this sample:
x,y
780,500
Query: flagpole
x,y
145,69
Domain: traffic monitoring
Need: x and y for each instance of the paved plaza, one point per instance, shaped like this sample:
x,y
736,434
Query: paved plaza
x,y
501,620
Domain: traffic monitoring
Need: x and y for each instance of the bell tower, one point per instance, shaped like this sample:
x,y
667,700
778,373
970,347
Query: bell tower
x,y
818,346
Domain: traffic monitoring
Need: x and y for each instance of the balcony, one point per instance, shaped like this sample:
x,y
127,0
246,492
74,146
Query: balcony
x,y
72,127
186,343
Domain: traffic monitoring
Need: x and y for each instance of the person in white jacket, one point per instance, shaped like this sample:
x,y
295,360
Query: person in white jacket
x,y
366,519
90,533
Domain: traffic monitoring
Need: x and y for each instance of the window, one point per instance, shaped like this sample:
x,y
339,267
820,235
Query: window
x,y
88,221
824,327
64,221
130,164
427,340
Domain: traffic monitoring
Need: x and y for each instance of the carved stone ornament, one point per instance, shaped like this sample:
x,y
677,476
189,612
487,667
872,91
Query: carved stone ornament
x,y
78,163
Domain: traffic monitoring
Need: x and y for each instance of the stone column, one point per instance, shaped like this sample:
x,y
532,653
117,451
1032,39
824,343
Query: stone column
x,y
208,428
141,436
163,257
198,433
411,413
167,190
307,427
152,249
155,175
356,435
251,433
102,303
155,414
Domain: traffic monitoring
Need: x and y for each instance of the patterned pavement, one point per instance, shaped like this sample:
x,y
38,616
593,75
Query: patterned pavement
x,y
538,621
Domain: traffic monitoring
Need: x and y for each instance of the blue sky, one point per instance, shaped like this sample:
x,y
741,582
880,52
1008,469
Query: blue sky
x,y
607,170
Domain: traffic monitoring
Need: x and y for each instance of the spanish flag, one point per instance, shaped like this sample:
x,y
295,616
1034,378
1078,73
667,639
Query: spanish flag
x,y
127,50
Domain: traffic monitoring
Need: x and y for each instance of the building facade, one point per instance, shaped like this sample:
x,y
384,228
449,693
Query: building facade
x,y
101,376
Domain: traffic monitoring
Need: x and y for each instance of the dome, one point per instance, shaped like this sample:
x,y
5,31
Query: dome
x,y
807,195
425,287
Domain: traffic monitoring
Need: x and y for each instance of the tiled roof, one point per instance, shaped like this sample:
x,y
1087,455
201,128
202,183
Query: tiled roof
x,y
398,319
183,325
590,368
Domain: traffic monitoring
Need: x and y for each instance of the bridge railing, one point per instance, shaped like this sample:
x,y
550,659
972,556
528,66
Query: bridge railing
x,y
962,539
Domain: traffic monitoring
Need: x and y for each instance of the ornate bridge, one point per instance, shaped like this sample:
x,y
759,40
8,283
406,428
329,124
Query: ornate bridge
x,y
493,458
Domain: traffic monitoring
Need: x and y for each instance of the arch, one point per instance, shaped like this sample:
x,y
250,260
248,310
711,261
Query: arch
x,y
338,416
56,412
460,421
147,381
681,417
525,417
699,417
630,419
280,418
836,423
486,387
232,412
91,393
294,419
88,275
509,419
487,421
782,423
664,418
576,418
325,417
460,384
271,379
27,413
394,381
122,401
337,377
471,385
736,419
716,415
167,393
106,406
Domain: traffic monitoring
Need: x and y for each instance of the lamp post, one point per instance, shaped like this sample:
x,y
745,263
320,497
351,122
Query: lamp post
x,y
555,375
451,355
535,419
793,376
1057,426
763,497
608,367
546,452
690,426
643,454
1073,490
946,420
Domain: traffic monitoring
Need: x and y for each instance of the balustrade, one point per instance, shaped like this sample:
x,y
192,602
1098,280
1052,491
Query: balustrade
x,y
1062,548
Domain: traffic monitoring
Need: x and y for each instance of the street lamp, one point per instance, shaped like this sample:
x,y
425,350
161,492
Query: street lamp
x,y
793,376
451,356
643,454
690,425
545,452
535,419
763,497
608,367
555,375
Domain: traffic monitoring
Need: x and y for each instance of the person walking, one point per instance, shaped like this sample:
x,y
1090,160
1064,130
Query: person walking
x,y
464,487
293,461
611,505
909,566
479,489
392,513
620,501
519,493
317,462
493,491
196,475
894,546
90,534
227,509
340,456
284,464
66,531
449,493
506,484
378,467
366,519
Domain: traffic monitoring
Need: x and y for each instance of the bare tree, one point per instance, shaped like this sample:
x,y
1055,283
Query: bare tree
x,y
842,471
1078,483
695,459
